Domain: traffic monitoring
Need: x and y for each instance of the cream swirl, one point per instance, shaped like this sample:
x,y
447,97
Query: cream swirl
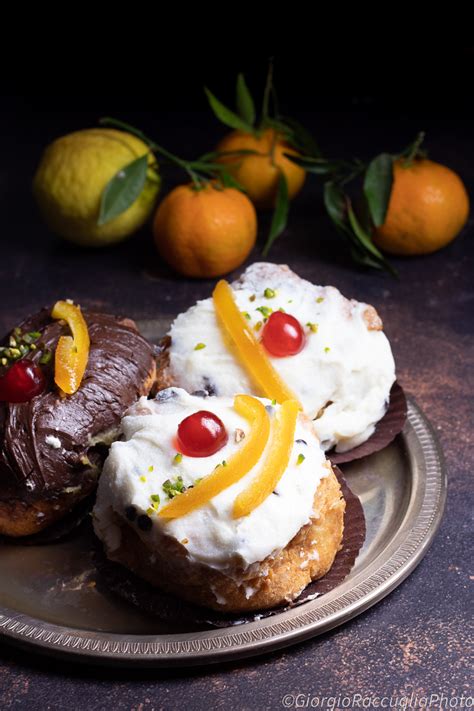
x,y
138,466
342,376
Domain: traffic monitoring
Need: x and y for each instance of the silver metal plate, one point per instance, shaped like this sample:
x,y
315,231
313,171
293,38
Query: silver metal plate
x,y
49,599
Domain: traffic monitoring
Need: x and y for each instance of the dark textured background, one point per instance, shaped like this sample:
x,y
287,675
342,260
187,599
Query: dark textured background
x,y
416,639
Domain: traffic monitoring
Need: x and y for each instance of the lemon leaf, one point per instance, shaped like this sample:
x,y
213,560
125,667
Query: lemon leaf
x,y
123,189
244,101
226,116
280,214
378,187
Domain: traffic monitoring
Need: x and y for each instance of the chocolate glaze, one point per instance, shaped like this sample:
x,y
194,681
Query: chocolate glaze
x,y
120,362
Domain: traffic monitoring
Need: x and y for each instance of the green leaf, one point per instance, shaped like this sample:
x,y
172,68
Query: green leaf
x,y
302,139
279,126
206,166
228,181
123,189
244,101
335,203
225,115
267,92
366,241
378,182
340,210
280,214
213,155
123,126
295,134
318,166
414,150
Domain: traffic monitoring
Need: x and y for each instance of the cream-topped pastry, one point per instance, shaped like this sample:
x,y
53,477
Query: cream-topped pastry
x,y
342,375
224,559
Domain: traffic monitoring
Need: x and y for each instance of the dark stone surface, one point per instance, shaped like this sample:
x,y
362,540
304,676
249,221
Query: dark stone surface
x,y
416,639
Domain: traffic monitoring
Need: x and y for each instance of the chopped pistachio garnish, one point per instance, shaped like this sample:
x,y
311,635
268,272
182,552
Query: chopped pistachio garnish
x,y
46,357
300,459
31,337
246,315
320,299
252,298
143,478
264,310
173,488
274,402
224,463
312,327
258,326
155,498
150,511
327,349
178,457
199,346
282,310
269,293
290,301
150,468
19,345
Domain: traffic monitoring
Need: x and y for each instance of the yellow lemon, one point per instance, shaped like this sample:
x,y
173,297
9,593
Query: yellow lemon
x,y
71,178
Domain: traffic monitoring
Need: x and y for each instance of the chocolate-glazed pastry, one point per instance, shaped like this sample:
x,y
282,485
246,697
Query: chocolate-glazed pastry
x,y
52,447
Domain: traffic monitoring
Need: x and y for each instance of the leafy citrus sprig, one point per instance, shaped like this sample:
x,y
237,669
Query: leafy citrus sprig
x,y
357,226
127,184
246,119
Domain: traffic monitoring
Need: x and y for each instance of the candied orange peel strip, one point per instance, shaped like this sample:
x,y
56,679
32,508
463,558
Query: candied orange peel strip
x,y
72,352
275,464
242,462
250,351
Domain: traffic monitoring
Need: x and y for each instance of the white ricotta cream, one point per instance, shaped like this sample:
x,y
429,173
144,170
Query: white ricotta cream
x,y
343,374
138,466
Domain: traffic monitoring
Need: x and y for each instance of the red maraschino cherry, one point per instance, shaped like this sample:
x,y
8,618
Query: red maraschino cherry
x,y
201,434
22,382
283,335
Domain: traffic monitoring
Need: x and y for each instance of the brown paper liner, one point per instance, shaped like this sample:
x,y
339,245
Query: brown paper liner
x,y
386,430
114,578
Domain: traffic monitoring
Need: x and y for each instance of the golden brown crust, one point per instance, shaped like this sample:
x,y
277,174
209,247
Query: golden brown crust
x,y
274,581
163,376
372,319
24,518
21,518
